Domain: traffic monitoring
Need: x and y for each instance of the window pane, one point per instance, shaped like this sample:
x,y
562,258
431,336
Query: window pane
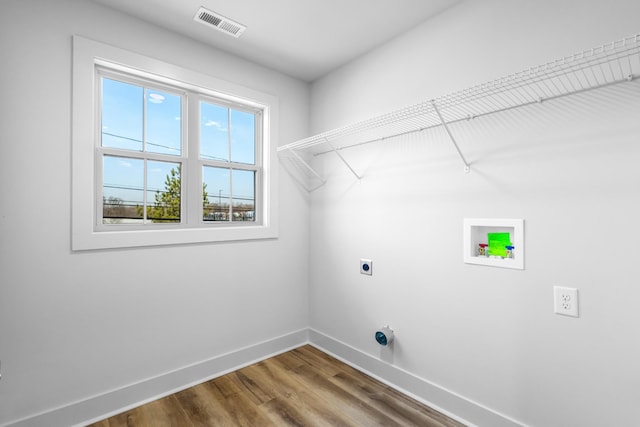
x,y
163,192
217,186
243,145
214,132
243,195
121,115
163,124
122,190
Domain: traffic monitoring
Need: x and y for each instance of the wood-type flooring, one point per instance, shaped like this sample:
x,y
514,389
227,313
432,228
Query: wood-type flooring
x,y
302,387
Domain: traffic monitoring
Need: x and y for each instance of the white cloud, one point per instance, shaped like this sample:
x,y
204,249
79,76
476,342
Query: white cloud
x,y
125,164
215,124
156,98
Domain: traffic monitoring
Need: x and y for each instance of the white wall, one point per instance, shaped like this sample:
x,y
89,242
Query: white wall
x,y
569,168
74,325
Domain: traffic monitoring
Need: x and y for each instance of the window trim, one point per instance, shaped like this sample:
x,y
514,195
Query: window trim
x,y
87,54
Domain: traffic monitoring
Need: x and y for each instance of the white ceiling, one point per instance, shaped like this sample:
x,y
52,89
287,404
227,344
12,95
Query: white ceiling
x,y
302,38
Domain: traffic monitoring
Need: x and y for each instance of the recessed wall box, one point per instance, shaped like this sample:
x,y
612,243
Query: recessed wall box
x,y
494,242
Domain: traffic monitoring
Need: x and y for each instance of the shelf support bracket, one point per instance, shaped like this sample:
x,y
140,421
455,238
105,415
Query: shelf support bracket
x,y
343,159
467,168
310,169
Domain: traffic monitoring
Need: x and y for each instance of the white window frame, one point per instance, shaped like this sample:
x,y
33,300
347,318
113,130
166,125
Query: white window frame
x,y
87,234
100,151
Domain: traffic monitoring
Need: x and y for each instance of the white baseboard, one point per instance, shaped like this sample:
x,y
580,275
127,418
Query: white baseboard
x,y
114,402
439,398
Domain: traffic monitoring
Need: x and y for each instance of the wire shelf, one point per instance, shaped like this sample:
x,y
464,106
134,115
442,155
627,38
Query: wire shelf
x,y
606,65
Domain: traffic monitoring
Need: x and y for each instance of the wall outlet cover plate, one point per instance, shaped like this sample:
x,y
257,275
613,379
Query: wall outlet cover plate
x,y
565,301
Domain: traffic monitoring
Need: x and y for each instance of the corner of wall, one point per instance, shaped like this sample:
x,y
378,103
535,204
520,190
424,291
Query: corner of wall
x,y
116,401
435,396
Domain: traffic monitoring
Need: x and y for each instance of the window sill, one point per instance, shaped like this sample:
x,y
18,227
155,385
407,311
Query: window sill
x,y
140,238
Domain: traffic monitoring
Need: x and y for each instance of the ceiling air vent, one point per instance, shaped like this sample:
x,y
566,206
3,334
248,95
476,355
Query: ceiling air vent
x,y
219,22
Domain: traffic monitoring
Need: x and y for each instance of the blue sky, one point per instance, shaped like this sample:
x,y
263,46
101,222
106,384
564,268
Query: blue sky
x,y
122,127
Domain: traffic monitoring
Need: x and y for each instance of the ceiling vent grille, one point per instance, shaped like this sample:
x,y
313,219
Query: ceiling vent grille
x,y
219,22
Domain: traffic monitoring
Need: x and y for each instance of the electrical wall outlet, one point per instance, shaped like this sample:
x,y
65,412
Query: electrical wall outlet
x,y
366,267
565,301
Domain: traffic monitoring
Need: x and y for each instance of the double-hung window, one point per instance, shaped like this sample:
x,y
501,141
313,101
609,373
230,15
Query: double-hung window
x,y
174,157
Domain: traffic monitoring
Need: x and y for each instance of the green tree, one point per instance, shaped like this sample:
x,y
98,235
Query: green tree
x,y
167,203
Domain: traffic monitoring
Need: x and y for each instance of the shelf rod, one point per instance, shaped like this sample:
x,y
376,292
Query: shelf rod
x,y
627,78
467,168
342,158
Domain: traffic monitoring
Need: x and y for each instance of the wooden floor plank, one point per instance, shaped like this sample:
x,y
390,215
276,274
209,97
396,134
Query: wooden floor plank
x,y
403,410
316,359
432,413
302,387
309,397
165,412
287,360
336,397
253,384
239,406
291,397
204,407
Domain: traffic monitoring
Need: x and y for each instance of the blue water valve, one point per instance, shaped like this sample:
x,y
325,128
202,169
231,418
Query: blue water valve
x,y
384,336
